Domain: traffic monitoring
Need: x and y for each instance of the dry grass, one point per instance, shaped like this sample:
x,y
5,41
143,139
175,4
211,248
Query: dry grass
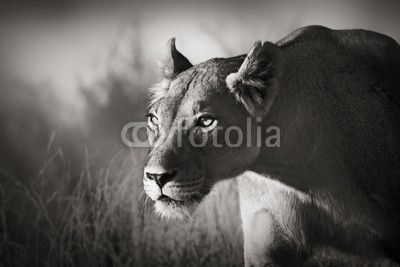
x,y
102,220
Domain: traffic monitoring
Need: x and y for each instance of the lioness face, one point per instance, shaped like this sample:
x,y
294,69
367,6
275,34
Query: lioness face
x,y
191,146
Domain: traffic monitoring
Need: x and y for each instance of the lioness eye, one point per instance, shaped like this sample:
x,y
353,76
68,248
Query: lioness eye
x,y
205,121
152,119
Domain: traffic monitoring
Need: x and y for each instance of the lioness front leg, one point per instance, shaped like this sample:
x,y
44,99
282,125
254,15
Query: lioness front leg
x,y
264,242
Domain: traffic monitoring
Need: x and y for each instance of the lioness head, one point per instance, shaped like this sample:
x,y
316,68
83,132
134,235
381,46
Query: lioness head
x,y
198,123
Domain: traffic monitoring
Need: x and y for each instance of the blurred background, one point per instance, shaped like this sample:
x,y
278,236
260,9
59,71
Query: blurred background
x,y
72,73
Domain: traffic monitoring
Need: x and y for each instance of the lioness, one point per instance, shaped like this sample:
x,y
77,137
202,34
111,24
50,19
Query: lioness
x,y
333,178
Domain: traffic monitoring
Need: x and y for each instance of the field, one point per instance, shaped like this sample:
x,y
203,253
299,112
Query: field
x,y
105,220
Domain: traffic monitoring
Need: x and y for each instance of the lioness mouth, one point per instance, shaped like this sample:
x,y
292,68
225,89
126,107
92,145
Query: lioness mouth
x,y
165,199
168,200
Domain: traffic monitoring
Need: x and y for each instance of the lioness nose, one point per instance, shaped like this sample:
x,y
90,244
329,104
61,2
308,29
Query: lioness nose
x,y
161,178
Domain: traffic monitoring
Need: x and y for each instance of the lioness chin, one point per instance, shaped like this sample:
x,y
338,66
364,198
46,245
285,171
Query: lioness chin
x,y
333,176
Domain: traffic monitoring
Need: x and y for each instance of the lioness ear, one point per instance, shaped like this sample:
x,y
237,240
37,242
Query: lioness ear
x,y
172,63
256,83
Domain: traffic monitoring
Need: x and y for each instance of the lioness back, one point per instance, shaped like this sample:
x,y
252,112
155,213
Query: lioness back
x,y
357,103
